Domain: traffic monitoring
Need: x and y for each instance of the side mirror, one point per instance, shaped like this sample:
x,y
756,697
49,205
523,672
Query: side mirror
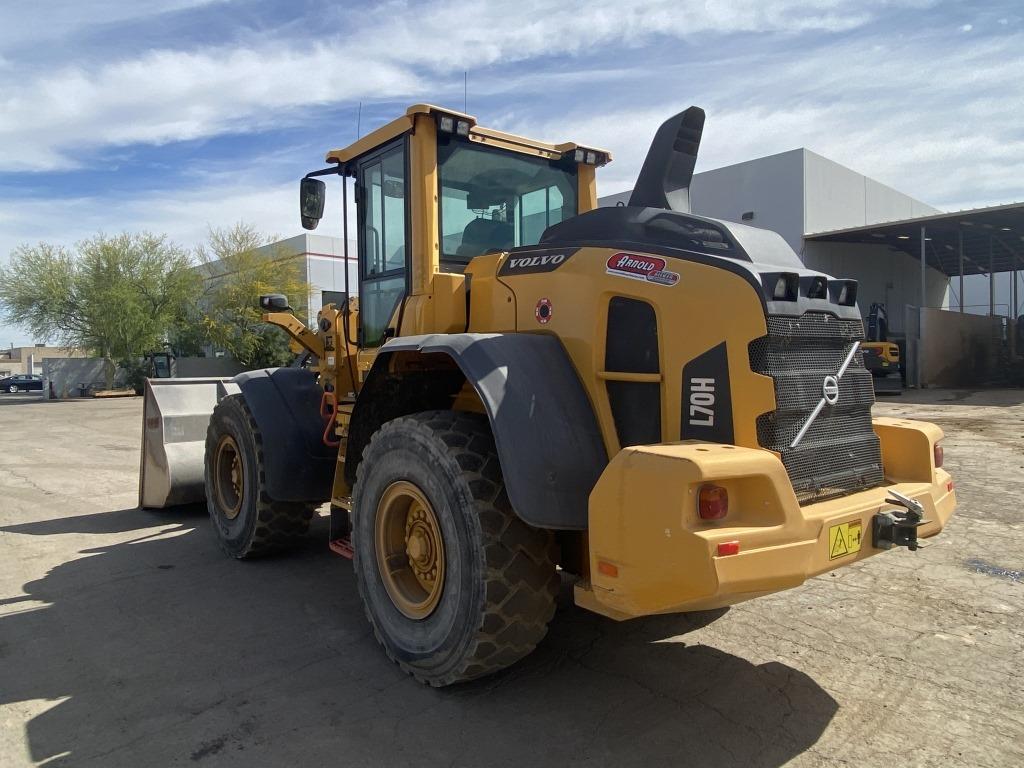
x,y
311,201
274,302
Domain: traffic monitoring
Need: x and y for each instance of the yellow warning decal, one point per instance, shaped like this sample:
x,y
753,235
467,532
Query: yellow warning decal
x,y
843,539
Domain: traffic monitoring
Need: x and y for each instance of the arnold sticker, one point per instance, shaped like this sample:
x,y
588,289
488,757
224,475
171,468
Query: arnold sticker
x,y
543,311
648,268
532,263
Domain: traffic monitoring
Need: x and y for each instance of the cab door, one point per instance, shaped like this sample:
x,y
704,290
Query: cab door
x,y
383,221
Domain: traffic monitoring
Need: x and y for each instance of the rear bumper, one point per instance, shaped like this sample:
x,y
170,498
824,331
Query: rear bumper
x,y
651,553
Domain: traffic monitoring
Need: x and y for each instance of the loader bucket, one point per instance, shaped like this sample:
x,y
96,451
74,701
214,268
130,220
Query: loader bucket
x,y
175,415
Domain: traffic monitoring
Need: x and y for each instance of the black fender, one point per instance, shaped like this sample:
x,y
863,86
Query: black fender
x,y
544,427
285,402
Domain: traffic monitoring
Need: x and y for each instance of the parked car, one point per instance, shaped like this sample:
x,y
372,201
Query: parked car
x,y
21,382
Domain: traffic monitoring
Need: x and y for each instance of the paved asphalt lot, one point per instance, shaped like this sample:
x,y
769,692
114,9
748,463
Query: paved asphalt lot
x,y
127,639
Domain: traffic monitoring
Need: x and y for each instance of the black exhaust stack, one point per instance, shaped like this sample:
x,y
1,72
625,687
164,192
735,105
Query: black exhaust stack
x,y
664,180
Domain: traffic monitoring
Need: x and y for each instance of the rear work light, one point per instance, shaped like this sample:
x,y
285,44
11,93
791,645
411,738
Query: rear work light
x,y
939,455
712,502
781,286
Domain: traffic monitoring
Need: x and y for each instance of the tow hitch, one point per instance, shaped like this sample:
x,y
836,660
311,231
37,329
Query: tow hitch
x,y
897,528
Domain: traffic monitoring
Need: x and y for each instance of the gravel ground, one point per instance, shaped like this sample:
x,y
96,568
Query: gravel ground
x,y
127,639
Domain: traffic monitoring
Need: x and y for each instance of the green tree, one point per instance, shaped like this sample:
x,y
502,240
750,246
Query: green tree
x,y
239,270
117,297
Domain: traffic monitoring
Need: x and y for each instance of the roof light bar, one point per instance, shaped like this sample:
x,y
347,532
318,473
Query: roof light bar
x,y
588,156
453,125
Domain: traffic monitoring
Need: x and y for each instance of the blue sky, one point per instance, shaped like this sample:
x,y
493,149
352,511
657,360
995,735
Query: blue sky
x,y
174,115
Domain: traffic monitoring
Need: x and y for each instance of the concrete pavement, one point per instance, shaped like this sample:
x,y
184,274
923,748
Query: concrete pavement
x,y
128,639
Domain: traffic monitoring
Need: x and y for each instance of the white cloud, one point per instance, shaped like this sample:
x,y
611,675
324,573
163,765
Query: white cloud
x,y
966,27
23,23
172,96
942,128
394,50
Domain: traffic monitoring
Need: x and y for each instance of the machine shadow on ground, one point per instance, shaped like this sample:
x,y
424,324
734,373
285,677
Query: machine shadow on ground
x,y
159,650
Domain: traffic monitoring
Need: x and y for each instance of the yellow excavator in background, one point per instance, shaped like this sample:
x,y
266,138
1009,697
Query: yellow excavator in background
x,y
668,409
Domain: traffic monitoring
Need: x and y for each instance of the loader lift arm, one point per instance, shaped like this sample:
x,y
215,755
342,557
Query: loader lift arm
x,y
297,330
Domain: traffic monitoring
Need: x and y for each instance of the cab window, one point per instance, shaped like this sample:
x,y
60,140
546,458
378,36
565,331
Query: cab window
x,y
383,241
493,200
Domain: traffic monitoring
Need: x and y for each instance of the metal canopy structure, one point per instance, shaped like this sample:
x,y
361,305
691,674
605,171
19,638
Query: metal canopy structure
x,y
981,241
989,239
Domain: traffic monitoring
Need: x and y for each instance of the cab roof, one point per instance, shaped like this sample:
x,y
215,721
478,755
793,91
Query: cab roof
x,y
477,133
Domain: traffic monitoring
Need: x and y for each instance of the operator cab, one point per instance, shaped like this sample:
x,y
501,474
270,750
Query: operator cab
x,y
433,191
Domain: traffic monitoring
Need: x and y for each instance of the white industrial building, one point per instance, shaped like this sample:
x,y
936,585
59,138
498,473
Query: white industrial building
x,y
848,225
322,260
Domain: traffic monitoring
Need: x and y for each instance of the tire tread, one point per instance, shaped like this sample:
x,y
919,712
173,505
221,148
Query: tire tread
x,y
280,525
521,582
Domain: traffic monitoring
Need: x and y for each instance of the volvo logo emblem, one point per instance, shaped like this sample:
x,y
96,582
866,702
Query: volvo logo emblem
x,y
830,390
829,394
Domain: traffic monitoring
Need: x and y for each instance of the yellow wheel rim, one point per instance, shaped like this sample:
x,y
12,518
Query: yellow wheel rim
x,y
410,550
228,477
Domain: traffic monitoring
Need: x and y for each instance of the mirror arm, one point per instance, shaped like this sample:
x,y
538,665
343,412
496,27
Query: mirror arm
x,y
335,170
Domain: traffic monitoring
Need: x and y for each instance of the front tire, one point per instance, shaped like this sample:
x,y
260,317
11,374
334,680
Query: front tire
x,y
247,521
472,588
13,389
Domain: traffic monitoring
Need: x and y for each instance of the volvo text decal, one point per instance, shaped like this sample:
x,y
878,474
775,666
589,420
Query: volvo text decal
x,y
533,262
649,268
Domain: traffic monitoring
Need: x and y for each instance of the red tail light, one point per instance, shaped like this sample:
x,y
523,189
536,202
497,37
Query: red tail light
x,y
939,455
712,502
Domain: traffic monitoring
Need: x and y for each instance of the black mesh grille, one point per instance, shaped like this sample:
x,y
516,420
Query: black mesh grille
x,y
840,453
631,346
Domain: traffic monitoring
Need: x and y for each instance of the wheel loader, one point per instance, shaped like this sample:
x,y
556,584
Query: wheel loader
x,y
667,409
882,354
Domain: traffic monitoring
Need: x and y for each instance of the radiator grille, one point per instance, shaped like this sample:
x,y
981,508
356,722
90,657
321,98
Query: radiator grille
x,y
840,453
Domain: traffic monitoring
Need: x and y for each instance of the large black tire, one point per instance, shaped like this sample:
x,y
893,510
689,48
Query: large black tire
x,y
500,581
258,525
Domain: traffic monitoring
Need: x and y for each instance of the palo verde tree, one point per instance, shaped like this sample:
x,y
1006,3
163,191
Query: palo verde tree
x,y
117,296
239,269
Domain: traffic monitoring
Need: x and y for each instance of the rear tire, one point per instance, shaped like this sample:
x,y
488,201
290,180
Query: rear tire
x,y
247,521
499,579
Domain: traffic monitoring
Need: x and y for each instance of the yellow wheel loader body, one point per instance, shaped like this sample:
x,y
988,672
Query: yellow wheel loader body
x,y
672,408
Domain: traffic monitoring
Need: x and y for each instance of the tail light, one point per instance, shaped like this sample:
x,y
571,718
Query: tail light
x,y
712,502
939,455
